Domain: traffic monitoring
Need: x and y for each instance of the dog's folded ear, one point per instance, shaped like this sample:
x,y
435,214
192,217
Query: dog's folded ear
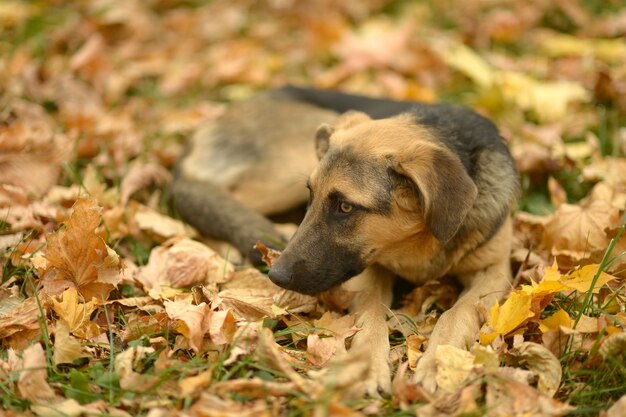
x,y
446,190
322,139
325,131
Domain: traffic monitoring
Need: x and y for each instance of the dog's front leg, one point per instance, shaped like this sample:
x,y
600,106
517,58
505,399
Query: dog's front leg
x,y
373,290
460,324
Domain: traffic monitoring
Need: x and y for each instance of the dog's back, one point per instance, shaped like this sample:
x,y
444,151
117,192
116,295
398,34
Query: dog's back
x,y
254,159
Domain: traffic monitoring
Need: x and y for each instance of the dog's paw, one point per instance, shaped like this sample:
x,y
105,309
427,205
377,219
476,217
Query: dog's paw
x,y
378,382
426,372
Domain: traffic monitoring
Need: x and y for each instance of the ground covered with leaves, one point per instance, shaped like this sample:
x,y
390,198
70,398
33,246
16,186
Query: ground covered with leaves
x,y
109,305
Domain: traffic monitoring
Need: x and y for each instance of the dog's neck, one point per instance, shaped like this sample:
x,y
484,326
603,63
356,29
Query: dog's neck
x,y
428,260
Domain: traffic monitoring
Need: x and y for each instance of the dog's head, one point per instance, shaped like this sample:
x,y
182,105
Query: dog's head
x,y
383,189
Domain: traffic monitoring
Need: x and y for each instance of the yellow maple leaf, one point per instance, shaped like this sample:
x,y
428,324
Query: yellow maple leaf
x,y
582,278
76,314
555,321
506,318
549,284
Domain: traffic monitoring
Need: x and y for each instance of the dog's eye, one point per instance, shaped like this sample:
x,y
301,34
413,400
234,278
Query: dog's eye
x,y
345,207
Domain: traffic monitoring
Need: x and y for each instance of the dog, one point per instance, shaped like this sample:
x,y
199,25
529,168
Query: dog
x,y
394,188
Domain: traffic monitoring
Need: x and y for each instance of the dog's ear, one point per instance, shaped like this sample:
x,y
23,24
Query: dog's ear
x,y
351,118
446,191
322,139
325,131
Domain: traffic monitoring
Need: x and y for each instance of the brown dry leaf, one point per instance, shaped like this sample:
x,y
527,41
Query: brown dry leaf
x,y
66,347
182,263
222,327
255,387
78,258
23,317
291,302
269,353
31,153
557,193
126,364
618,409
192,385
193,321
97,188
577,230
141,175
460,403
334,330
539,360
33,384
613,346
404,390
513,398
269,255
159,226
37,216
72,408
344,372
210,405
76,315
454,366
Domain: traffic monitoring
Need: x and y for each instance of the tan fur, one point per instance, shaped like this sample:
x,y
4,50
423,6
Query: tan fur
x,y
266,184
402,242
418,213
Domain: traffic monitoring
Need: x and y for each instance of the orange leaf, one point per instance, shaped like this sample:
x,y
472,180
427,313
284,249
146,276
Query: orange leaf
x,y
78,258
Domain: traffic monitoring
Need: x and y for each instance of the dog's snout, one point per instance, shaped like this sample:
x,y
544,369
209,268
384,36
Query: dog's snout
x,y
280,276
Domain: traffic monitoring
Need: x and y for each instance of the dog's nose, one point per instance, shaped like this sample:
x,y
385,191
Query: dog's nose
x,y
280,276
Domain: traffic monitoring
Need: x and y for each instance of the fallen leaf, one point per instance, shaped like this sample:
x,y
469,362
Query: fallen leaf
x,y
160,226
513,398
212,405
22,323
581,279
72,408
33,380
192,385
66,348
404,390
618,409
542,363
255,387
269,353
141,175
555,321
565,45
454,366
193,321
269,255
126,364
613,346
506,318
78,258
183,263
222,327
414,350
576,230
75,314
333,331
